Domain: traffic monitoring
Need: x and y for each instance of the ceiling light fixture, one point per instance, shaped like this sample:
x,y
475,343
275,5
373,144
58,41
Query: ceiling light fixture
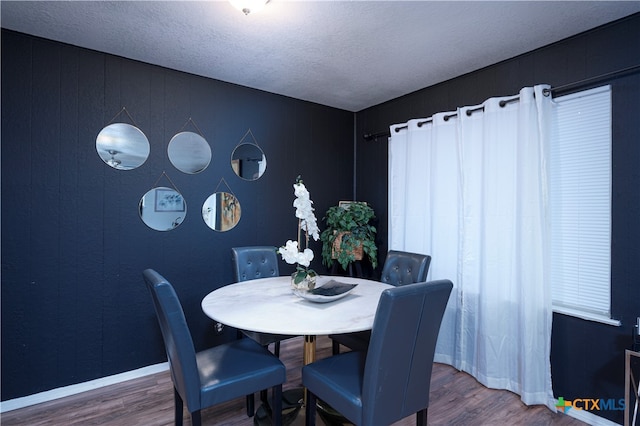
x,y
249,6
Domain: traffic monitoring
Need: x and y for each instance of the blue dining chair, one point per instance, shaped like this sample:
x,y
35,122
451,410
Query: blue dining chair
x,y
215,375
400,268
392,379
251,263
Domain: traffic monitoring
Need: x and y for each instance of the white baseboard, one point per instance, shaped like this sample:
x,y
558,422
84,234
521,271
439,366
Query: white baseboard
x,y
50,395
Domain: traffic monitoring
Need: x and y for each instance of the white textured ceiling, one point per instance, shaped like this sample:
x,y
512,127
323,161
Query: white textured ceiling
x,y
345,54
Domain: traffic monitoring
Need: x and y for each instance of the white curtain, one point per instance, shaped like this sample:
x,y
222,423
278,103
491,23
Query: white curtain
x,y
471,191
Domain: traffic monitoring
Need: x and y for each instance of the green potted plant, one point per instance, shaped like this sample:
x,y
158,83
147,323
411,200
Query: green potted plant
x,y
349,234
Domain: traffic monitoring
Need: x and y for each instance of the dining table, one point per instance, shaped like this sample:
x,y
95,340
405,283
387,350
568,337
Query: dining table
x,y
269,305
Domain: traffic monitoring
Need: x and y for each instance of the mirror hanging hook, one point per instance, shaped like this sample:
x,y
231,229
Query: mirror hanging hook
x,y
190,120
168,178
249,132
222,180
124,109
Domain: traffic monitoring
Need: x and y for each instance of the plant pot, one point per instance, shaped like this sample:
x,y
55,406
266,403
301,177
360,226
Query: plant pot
x,y
357,253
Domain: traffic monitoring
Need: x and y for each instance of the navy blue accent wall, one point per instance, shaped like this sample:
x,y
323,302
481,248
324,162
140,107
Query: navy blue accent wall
x,y
587,358
74,306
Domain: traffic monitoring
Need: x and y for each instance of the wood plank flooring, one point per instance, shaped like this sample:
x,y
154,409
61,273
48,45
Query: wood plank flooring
x,y
456,399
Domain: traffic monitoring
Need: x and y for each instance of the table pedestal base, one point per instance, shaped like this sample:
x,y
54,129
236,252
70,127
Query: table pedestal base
x,y
293,413
292,402
329,416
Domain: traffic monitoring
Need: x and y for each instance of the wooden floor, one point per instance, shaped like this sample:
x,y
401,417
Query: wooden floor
x,y
456,399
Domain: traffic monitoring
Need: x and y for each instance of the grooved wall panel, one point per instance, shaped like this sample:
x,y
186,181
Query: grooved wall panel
x,y
74,306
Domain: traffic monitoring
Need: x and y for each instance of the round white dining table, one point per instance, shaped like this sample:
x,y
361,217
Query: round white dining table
x,y
268,305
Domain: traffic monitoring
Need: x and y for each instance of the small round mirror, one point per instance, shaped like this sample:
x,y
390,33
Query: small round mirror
x,y
162,209
189,152
248,161
122,146
221,211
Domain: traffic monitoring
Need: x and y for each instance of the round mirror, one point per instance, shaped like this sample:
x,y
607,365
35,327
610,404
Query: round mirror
x,y
221,211
162,209
189,152
122,146
248,161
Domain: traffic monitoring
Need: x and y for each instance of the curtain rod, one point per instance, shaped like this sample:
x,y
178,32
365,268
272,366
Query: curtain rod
x,y
546,92
592,80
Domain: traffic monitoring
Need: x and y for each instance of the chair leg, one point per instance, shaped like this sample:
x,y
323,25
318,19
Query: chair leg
x,y
264,397
335,347
276,406
196,418
310,410
251,408
177,402
421,418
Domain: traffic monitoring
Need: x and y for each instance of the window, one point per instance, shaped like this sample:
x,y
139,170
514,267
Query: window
x,y
580,202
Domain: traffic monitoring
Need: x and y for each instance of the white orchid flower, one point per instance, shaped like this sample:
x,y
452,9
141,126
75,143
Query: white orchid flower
x,y
300,191
308,223
289,252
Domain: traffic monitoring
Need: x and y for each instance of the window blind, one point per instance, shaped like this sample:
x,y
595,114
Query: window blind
x,y
580,202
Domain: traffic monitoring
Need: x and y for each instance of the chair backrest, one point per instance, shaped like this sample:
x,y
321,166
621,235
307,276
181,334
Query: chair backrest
x,y
177,338
397,374
401,267
250,263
